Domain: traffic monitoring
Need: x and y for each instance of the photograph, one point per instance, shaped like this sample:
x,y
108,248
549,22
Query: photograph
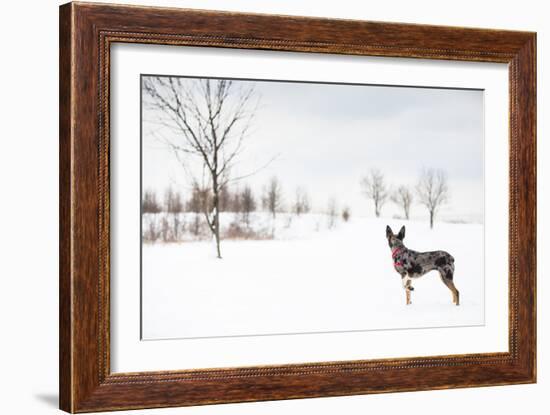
x,y
282,207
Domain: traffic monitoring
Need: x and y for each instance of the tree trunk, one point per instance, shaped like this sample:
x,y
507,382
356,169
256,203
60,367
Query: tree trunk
x,y
176,223
217,233
216,207
431,220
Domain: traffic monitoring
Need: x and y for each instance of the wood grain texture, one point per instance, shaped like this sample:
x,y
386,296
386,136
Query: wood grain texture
x,y
86,33
65,246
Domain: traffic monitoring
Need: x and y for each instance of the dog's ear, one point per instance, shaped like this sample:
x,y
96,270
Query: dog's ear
x,y
389,232
401,234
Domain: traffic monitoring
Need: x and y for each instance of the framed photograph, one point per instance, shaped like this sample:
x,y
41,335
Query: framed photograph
x,y
258,207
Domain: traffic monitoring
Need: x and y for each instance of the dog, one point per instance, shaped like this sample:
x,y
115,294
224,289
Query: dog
x,y
411,264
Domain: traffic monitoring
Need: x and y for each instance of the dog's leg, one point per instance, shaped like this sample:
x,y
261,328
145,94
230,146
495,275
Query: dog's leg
x,y
407,286
456,294
451,286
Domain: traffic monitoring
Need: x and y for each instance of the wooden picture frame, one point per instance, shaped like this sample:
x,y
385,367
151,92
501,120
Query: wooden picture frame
x,y
86,33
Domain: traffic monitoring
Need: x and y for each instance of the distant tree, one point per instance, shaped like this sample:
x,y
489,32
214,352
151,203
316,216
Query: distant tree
x,y
172,201
225,199
248,204
150,203
346,213
165,231
403,197
332,212
301,202
200,200
272,200
235,201
198,203
173,205
374,187
433,191
195,225
150,231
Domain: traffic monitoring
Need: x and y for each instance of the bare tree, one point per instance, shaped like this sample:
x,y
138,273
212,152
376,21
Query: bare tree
x,y
235,201
225,199
209,120
165,233
346,213
198,203
248,204
374,187
301,202
173,205
273,196
200,200
150,203
433,191
172,201
403,198
150,231
332,212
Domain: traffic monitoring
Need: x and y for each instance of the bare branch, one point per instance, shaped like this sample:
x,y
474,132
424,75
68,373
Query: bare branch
x,y
403,198
433,191
374,187
273,196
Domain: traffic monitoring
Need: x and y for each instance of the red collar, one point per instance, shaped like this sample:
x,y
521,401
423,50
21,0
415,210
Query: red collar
x,y
394,254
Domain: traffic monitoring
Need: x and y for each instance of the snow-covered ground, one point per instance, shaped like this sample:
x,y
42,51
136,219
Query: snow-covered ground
x,y
307,279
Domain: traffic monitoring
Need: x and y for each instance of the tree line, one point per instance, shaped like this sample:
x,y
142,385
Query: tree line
x,y
242,201
431,189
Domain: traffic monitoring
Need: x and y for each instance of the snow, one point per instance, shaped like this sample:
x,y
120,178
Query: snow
x,y
307,279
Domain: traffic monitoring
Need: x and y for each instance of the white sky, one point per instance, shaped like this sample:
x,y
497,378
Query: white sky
x,y
327,136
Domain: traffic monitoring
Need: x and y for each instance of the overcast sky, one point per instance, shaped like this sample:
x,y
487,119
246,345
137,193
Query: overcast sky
x,y
327,136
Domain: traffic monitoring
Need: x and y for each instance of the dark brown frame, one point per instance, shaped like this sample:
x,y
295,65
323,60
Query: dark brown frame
x,y
86,33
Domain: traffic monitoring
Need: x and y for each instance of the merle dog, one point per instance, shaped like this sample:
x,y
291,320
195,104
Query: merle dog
x,y
411,264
